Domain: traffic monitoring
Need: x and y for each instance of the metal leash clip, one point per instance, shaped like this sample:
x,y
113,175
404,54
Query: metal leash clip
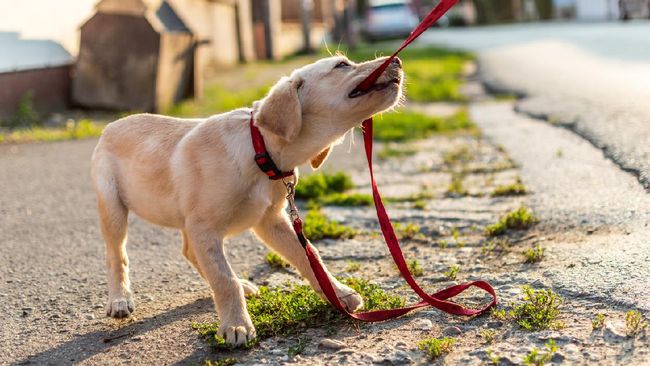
x,y
291,194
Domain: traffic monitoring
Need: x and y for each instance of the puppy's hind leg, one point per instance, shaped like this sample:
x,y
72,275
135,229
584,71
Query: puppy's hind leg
x,y
249,287
113,220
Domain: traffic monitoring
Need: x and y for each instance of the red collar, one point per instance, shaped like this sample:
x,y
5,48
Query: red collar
x,y
262,157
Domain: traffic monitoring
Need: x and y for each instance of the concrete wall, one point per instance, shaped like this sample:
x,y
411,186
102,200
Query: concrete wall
x,y
50,88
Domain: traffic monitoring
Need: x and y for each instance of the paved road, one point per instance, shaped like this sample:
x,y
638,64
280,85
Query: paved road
x,y
592,78
597,217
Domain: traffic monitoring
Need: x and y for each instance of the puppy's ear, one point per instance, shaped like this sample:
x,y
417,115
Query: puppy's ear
x,y
280,112
320,158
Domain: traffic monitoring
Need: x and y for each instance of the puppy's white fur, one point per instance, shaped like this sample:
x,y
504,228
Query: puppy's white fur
x,y
198,175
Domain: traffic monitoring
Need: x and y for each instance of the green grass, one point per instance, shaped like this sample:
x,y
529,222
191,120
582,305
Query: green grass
x,y
394,151
514,189
539,310
488,335
634,322
456,187
436,347
535,357
432,74
284,312
221,362
534,254
598,321
25,115
317,226
452,273
413,266
345,199
519,219
406,125
352,266
420,205
217,99
407,231
72,131
495,245
458,156
320,184
275,261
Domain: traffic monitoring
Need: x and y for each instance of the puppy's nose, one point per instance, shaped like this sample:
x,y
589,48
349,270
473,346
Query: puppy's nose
x,y
397,62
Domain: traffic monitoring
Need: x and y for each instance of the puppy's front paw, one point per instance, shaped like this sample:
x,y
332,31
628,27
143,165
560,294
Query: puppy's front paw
x,y
350,298
120,307
237,333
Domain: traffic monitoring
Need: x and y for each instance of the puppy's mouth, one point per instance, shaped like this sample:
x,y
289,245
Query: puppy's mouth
x,y
355,93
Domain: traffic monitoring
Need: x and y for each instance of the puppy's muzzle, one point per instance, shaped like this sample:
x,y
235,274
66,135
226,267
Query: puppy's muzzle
x,y
396,63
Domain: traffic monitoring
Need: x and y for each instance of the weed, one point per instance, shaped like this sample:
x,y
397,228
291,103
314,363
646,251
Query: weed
x,y
519,219
514,189
495,245
420,204
345,199
539,310
408,231
320,184
392,151
282,312
456,188
634,322
25,116
534,254
499,314
540,359
299,347
494,359
221,362
488,335
598,321
352,266
460,155
436,347
452,273
373,296
317,226
559,153
414,267
443,244
406,125
72,131
275,261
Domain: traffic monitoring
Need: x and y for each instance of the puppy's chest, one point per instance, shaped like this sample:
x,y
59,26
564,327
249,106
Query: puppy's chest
x,y
255,204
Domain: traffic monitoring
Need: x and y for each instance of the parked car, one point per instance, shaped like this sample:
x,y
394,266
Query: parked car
x,y
634,9
389,19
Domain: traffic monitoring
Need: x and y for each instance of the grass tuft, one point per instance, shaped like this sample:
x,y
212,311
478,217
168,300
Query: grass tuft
x,y
540,359
456,188
394,151
488,335
283,312
519,219
514,189
598,321
406,125
539,310
345,199
452,273
534,254
352,266
407,231
317,226
436,347
275,261
634,322
72,131
221,362
320,184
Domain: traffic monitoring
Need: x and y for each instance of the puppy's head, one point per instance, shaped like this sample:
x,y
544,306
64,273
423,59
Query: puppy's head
x,y
316,103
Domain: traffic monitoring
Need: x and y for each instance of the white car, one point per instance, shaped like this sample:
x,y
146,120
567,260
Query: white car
x,y
388,19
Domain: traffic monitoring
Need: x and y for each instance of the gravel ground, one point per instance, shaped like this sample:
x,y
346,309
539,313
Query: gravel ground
x,y
53,276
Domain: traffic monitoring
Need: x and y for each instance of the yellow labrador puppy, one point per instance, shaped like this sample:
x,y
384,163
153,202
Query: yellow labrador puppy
x,y
199,176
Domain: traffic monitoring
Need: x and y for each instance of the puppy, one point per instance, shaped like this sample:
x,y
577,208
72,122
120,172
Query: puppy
x,y
199,176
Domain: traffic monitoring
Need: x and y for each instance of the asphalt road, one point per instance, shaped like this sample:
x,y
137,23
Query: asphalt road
x,y
593,78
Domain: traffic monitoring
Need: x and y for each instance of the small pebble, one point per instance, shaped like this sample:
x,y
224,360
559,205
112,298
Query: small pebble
x,y
331,343
423,324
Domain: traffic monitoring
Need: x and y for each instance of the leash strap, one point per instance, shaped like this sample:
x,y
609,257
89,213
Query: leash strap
x,y
437,300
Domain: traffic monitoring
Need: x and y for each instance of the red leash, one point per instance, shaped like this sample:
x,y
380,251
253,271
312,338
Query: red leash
x,y
437,300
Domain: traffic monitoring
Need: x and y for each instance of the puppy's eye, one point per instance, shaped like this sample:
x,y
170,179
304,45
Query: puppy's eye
x,y
342,64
